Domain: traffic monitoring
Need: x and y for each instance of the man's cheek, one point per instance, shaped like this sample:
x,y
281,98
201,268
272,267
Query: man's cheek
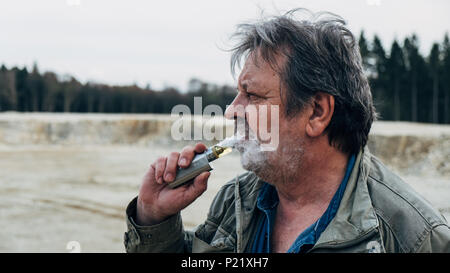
x,y
269,127
251,112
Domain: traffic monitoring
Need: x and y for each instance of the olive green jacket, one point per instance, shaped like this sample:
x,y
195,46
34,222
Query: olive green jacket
x,y
378,213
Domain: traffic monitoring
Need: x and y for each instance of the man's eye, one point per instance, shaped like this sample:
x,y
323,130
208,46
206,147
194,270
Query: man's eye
x,y
252,96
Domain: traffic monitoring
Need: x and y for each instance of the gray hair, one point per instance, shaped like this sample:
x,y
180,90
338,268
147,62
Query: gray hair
x,y
321,56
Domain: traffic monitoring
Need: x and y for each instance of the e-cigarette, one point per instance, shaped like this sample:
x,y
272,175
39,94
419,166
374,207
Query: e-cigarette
x,y
199,164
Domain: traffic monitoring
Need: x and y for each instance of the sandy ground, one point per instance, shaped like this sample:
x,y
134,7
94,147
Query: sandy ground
x,y
50,196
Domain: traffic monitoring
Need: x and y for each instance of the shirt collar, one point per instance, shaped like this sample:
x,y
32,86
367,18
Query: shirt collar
x,y
356,215
268,200
268,197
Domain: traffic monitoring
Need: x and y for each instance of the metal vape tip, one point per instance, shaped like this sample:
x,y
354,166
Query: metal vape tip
x,y
217,150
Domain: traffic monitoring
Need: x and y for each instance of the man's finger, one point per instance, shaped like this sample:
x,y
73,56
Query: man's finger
x,y
188,153
160,166
199,186
150,174
200,148
186,156
171,167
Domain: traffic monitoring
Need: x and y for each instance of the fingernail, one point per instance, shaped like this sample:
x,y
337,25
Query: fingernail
x,y
182,161
169,177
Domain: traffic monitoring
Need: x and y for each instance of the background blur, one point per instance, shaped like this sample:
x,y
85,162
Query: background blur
x,y
86,86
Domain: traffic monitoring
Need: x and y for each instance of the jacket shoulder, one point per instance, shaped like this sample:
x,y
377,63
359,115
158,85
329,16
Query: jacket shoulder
x,y
406,218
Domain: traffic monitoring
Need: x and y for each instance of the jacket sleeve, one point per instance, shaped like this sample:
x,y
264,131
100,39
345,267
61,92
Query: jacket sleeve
x,y
166,237
437,241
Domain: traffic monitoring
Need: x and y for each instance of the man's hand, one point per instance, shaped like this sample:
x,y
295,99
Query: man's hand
x,y
156,201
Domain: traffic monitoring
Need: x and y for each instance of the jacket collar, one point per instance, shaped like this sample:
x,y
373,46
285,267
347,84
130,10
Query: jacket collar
x,y
356,216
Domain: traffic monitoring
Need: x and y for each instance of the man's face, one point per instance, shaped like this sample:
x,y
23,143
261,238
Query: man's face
x,y
259,87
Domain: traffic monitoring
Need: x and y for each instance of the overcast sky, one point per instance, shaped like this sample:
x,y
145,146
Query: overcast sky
x,y
166,42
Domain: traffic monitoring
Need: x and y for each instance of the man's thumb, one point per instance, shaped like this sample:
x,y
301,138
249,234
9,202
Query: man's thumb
x,y
199,185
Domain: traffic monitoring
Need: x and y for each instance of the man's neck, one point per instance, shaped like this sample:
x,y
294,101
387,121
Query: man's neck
x,y
304,195
314,183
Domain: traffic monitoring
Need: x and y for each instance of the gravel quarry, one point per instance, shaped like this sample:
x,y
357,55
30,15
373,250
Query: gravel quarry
x,y
68,178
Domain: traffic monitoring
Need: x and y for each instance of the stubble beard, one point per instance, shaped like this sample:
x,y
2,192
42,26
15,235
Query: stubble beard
x,y
278,166
253,158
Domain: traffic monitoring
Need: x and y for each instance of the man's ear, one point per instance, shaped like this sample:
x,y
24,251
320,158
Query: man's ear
x,y
322,110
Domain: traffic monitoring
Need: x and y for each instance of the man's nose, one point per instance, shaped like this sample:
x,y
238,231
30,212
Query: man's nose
x,y
236,109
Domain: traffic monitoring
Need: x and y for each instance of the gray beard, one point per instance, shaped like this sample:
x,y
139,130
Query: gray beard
x,y
252,157
274,167
279,166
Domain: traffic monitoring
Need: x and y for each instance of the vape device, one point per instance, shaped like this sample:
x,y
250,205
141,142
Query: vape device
x,y
199,164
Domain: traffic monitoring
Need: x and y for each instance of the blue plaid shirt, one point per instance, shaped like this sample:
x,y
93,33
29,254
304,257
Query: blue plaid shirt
x,y
267,202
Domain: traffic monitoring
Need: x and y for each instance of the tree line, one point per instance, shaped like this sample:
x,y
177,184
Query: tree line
x,y
32,91
405,85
